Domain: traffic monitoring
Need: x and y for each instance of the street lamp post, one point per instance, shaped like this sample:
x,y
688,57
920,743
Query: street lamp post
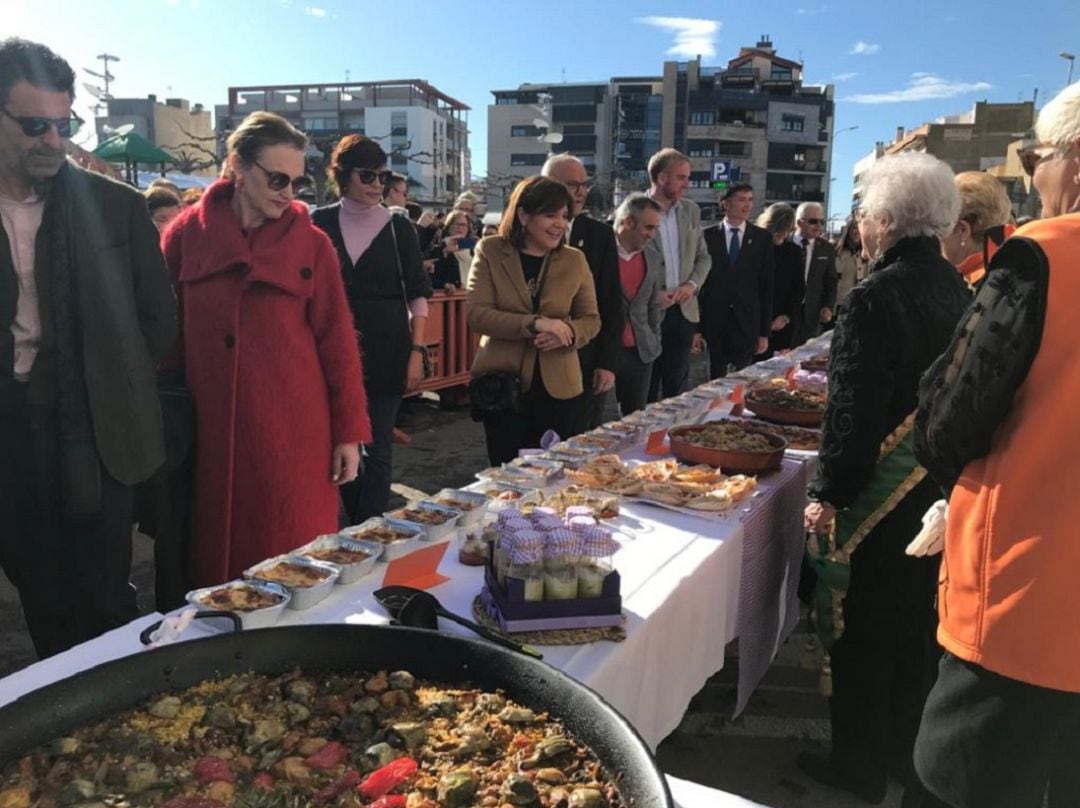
x,y
1071,59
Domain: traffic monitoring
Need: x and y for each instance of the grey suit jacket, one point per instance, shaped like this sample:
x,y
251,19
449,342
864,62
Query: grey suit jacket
x,y
693,253
643,311
820,289
127,313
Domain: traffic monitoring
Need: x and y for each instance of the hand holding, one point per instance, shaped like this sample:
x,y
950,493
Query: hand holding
x,y
818,516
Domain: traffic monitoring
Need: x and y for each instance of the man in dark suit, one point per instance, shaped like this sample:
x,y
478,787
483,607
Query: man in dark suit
x,y
819,272
597,240
86,311
737,298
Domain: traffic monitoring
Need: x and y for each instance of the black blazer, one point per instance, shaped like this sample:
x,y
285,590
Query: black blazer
x,y
378,287
820,290
789,287
597,241
738,302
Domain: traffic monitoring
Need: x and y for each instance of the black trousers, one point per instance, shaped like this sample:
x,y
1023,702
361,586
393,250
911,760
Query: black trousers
x,y
728,352
369,494
671,371
632,377
506,434
71,572
885,662
987,741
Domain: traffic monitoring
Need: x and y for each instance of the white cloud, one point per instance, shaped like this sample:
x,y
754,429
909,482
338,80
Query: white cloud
x,y
693,37
922,87
844,76
861,48
315,11
813,12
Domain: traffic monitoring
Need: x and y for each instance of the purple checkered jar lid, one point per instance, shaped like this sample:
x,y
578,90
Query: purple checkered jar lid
x,y
527,547
598,542
561,542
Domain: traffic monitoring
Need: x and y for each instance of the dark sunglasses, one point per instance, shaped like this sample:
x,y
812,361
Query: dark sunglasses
x,y
1032,156
574,187
367,176
815,221
277,180
36,126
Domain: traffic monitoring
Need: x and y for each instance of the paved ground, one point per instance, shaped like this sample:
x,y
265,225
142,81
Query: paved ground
x,y
753,756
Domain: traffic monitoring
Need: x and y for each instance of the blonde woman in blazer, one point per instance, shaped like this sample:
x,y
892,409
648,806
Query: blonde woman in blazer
x,y
532,300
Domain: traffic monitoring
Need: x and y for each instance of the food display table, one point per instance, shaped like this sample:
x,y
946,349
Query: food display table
x,y
690,585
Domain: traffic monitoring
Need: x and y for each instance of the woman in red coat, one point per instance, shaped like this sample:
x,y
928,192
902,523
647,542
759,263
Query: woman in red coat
x,y
270,356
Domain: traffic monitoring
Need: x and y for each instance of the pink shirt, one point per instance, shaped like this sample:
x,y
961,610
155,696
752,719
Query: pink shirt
x,y
631,275
359,226
22,220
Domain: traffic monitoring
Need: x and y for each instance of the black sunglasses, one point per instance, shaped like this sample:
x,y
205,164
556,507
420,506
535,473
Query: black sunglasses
x,y
367,176
814,221
277,180
1031,156
36,126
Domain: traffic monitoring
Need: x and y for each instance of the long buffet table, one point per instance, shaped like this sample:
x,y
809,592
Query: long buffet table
x,y
690,585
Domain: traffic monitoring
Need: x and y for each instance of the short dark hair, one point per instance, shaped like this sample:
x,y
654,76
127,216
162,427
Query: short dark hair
x,y
354,151
23,60
415,211
395,178
258,131
532,195
161,197
737,188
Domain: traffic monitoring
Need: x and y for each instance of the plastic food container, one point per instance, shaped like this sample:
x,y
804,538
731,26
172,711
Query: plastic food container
x,y
592,441
397,538
303,596
515,475
443,520
349,571
545,471
507,495
214,598
472,504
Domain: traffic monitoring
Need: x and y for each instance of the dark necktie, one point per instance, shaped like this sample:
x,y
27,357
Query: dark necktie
x,y
733,250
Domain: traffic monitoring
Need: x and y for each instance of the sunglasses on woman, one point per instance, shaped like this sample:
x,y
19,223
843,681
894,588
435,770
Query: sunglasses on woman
x,y
1032,156
36,126
277,180
367,176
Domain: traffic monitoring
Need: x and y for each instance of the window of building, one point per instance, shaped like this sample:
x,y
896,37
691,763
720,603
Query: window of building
x,y
527,130
702,118
579,129
700,179
527,159
573,113
313,124
792,123
700,148
780,73
399,124
734,148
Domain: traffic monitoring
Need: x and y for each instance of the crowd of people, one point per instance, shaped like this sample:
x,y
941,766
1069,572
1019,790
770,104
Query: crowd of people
x,y
226,369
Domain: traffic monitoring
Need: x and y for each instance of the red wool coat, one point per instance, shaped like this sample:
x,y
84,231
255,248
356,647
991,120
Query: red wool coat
x,y
272,363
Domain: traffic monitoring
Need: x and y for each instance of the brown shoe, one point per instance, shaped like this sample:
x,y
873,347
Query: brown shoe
x,y
402,437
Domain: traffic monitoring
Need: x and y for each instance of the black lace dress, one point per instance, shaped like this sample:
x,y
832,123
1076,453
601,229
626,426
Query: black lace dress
x,y
892,327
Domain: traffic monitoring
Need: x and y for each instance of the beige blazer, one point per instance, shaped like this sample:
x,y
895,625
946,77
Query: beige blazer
x,y
501,311
693,253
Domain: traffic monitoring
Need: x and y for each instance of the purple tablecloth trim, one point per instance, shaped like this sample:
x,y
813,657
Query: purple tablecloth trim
x,y
768,589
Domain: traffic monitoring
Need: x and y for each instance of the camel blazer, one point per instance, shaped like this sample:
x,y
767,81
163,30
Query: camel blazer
x,y
500,310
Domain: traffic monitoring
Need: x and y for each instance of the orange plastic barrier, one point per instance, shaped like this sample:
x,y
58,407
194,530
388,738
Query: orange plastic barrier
x,y
451,346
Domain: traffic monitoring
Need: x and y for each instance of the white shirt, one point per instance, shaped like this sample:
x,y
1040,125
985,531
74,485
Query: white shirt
x,y
798,239
669,244
22,220
729,229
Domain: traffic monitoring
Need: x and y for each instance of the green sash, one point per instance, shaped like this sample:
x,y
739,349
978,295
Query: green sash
x,y
896,473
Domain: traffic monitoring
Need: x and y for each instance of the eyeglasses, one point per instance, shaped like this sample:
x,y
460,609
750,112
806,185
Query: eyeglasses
x,y
574,187
36,126
277,180
367,176
815,221
1032,156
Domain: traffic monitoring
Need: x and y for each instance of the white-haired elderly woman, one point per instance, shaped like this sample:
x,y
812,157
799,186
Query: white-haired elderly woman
x,y
874,604
996,429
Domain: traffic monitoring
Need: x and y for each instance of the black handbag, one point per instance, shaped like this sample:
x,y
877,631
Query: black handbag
x,y
495,393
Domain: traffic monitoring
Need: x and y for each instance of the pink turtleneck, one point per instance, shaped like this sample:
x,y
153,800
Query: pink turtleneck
x,y
359,226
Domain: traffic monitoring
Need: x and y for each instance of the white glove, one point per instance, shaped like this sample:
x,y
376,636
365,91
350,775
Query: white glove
x,y
931,539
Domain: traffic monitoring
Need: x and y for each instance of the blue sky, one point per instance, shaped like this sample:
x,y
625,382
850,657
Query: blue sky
x,y
893,64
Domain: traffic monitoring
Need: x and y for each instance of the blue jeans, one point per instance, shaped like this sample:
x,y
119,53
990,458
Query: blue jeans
x,y
369,494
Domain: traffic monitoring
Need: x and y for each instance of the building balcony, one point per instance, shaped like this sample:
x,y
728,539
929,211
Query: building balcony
x,y
804,167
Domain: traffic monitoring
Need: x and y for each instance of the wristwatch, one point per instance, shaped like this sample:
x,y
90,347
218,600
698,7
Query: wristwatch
x,y
417,348
531,327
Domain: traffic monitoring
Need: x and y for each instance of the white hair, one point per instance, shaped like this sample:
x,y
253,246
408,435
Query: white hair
x,y
914,193
804,208
1059,120
467,196
557,160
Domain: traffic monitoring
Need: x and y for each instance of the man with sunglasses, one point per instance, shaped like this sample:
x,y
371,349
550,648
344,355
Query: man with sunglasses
x,y
85,312
819,272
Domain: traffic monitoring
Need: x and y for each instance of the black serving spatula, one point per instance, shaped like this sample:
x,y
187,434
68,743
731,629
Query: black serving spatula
x,y
420,609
